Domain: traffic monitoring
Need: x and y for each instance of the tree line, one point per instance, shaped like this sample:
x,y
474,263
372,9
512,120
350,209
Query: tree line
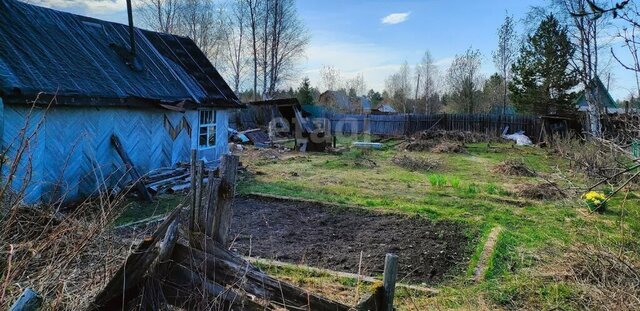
x,y
541,71
252,42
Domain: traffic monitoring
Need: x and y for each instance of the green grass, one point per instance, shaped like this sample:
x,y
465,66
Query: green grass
x,y
137,210
465,190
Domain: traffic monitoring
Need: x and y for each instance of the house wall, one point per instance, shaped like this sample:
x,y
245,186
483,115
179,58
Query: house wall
x,y
72,155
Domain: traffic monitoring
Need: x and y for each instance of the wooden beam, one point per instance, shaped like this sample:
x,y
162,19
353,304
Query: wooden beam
x,y
135,175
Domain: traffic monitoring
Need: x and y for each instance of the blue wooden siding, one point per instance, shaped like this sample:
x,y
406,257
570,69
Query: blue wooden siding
x,y
73,155
20,124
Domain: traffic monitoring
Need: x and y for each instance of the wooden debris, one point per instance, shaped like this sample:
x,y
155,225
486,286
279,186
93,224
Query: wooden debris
x,y
135,175
204,275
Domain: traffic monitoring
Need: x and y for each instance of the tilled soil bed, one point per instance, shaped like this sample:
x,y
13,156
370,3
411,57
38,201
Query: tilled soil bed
x,y
333,237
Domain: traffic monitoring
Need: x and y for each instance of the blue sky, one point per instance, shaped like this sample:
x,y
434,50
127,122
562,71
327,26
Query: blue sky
x,y
374,37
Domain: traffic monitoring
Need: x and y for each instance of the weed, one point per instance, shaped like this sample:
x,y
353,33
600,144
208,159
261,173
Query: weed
x,y
437,180
454,182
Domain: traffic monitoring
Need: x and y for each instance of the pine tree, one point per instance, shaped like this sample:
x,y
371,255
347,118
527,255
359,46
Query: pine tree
x,y
305,95
542,77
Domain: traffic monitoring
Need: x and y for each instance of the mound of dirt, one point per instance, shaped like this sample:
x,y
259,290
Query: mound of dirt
x,y
545,191
332,238
415,163
514,167
443,141
449,147
459,136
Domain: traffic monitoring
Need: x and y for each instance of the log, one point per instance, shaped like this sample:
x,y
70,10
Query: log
x,y
135,175
187,289
127,281
223,268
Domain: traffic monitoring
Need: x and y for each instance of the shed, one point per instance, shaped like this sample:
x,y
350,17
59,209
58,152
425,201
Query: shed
x,y
600,92
69,82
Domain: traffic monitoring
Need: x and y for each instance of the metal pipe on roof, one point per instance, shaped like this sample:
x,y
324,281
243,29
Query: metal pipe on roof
x,y
132,39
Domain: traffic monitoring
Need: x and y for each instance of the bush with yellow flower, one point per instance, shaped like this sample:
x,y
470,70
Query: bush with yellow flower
x,y
596,201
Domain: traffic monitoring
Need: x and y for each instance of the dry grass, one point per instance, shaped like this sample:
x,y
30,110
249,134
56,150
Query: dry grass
x,y
607,279
514,167
414,163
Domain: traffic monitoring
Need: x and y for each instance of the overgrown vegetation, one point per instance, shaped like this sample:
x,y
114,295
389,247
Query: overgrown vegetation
x,y
545,217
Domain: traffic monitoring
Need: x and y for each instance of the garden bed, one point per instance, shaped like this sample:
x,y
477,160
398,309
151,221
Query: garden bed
x,y
333,237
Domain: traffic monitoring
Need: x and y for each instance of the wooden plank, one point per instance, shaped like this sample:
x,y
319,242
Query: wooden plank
x,y
135,175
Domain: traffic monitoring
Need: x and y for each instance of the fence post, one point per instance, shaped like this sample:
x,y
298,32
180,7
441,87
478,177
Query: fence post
x,y
389,280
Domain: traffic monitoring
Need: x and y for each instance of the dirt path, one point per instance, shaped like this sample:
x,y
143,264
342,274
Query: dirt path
x,y
332,238
489,246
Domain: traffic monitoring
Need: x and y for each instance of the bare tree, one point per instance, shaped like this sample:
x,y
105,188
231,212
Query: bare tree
x,y
427,76
465,80
356,85
630,34
505,55
585,30
235,37
399,86
201,20
159,15
252,6
289,39
330,77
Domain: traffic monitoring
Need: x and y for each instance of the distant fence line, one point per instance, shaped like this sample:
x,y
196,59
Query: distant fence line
x,y
408,124
400,124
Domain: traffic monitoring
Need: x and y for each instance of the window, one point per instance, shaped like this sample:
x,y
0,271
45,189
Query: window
x,y
207,129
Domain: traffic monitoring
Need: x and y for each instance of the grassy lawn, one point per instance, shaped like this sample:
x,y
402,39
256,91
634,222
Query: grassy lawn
x,y
464,188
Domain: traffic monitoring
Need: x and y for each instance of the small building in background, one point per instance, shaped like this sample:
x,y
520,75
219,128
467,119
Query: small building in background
x,y
599,91
70,83
384,108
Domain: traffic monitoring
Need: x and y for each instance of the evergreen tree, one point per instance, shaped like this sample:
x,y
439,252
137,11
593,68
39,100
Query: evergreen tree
x,y
305,93
374,97
543,79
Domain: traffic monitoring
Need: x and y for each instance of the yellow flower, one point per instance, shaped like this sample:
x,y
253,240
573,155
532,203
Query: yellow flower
x,y
593,195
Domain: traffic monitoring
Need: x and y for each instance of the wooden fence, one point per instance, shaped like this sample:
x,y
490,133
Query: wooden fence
x,y
407,124
402,124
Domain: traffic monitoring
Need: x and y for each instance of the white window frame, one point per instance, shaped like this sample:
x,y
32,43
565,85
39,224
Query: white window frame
x,y
207,123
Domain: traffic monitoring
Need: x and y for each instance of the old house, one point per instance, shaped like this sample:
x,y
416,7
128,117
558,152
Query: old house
x,y
69,83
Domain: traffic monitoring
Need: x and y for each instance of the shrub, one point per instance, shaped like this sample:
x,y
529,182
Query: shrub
x,y
437,180
596,201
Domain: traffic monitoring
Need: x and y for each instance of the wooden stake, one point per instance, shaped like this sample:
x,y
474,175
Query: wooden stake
x,y
224,206
192,210
389,279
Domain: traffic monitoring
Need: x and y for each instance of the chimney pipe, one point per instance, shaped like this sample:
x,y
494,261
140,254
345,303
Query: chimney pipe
x,y
132,39
133,60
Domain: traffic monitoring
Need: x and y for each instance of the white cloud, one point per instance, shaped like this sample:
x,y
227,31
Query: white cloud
x,y
91,7
395,18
